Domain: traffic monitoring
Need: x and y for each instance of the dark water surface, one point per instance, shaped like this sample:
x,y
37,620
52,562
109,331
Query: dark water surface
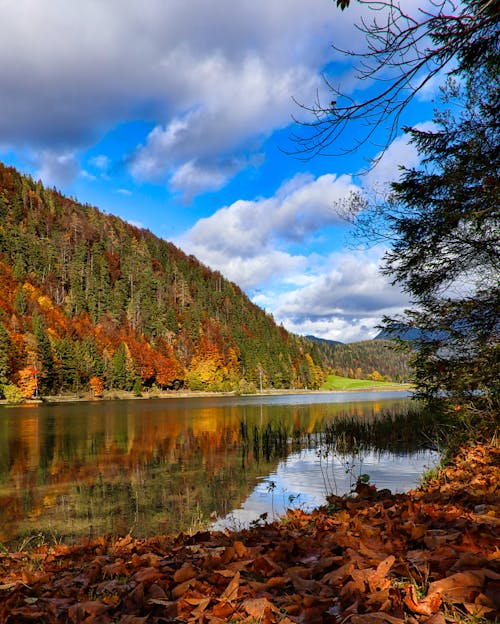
x,y
77,470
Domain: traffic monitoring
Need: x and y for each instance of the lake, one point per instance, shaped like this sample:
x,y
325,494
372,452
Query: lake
x,y
73,470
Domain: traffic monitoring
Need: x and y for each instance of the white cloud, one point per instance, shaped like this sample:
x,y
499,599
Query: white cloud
x,y
340,296
56,168
344,304
101,162
238,104
400,153
214,79
334,328
247,240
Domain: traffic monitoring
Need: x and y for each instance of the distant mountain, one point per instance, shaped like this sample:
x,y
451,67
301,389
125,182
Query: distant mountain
x,y
409,333
323,340
361,359
90,301
403,333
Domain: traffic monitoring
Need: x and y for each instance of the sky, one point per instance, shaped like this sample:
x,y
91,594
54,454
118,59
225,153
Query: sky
x,y
177,117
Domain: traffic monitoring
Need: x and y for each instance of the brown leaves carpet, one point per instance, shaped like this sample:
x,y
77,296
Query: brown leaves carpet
x,y
430,556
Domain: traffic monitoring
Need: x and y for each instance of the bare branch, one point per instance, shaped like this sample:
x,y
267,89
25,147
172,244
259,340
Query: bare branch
x,y
404,53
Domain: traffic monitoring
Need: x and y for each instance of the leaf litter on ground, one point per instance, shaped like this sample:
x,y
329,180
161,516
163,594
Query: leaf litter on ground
x,y
429,556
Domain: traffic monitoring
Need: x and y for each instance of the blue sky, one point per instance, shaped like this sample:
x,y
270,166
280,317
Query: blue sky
x,y
176,115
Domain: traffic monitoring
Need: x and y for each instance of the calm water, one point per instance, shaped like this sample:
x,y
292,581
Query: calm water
x,y
162,466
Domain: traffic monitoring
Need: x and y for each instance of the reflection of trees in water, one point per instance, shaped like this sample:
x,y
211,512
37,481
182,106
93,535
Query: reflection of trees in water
x,y
114,468
400,430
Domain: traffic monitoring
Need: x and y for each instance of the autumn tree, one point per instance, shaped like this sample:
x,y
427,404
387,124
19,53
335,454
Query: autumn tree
x,y
28,381
96,386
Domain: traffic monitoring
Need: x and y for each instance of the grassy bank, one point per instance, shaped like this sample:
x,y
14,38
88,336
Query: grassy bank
x,y
337,383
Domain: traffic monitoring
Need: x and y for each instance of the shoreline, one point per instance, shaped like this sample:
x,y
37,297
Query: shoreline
x,y
123,395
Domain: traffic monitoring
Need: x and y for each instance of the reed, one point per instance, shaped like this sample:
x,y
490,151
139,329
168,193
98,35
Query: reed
x,y
404,431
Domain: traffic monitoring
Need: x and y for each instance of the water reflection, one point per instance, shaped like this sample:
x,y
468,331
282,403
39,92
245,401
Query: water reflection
x,y
83,469
305,478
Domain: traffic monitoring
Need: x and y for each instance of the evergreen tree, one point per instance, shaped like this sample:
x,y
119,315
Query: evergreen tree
x,y
120,374
47,374
67,364
444,219
5,356
20,301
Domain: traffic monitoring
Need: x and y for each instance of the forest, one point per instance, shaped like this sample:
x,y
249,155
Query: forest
x,y
90,302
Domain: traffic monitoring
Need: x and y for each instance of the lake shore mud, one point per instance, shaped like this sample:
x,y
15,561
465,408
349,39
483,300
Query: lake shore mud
x,y
431,555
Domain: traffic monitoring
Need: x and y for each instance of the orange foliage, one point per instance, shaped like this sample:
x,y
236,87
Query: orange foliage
x,y
28,381
8,289
143,357
97,387
168,370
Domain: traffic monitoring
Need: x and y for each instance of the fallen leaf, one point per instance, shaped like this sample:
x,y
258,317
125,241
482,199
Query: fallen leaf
x,y
147,575
225,572
114,569
375,618
231,591
223,610
459,587
78,612
427,606
201,607
257,607
339,575
185,573
377,580
181,589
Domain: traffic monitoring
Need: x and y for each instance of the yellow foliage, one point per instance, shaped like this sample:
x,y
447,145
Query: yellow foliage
x,y
45,303
29,289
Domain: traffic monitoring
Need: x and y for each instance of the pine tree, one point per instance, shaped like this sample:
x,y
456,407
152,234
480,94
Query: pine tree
x,y
47,375
5,356
120,374
445,221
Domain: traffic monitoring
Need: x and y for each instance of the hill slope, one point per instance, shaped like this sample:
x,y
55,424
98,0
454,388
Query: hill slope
x,y
367,359
86,298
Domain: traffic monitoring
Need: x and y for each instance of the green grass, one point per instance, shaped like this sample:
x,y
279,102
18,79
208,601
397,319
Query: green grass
x,y
334,382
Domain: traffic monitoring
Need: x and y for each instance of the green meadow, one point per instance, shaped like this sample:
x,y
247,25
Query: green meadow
x,y
335,382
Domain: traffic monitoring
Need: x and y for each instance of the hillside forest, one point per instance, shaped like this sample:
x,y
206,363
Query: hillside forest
x,y
89,302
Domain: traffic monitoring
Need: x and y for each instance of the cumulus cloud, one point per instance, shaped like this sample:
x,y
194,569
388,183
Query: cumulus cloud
x,y
239,104
354,287
212,79
344,304
338,296
247,239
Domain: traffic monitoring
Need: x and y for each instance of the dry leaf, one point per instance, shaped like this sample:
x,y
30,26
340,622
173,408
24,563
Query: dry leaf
x,y
231,591
375,618
427,606
257,607
185,573
459,587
